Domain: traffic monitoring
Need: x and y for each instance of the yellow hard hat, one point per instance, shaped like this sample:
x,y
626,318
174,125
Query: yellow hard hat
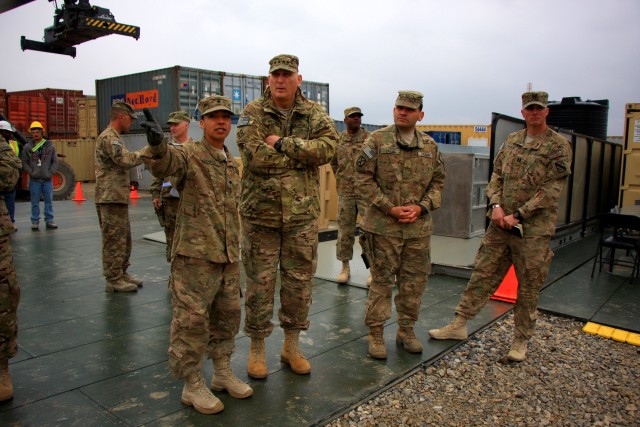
x,y
36,125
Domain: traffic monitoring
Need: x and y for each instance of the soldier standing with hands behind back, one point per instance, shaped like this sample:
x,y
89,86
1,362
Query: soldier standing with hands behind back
x,y
401,173
350,202
283,138
529,174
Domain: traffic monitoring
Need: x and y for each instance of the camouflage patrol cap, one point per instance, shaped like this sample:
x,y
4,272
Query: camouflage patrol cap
x,y
535,98
409,99
352,110
126,108
214,103
284,62
178,116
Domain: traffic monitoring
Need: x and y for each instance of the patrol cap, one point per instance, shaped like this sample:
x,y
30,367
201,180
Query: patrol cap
x,y
353,110
178,116
284,62
214,103
409,99
5,125
535,98
126,108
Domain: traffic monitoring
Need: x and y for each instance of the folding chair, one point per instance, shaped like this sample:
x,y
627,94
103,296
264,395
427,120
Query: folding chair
x,y
625,235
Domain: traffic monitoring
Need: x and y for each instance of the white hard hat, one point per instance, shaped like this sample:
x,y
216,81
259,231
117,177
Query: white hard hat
x,y
5,125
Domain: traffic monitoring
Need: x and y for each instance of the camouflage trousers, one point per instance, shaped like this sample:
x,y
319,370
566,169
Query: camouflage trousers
x,y
405,262
348,210
295,249
531,258
206,312
167,219
116,238
9,300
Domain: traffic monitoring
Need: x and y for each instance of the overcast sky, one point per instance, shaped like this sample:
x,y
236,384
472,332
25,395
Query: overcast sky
x,y
468,57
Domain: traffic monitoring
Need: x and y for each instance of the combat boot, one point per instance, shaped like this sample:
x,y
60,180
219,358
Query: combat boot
x,y
6,388
518,350
224,379
196,393
345,273
377,347
292,355
257,365
408,340
456,330
119,285
129,278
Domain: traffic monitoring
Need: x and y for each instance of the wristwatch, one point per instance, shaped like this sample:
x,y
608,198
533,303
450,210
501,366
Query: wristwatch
x,y
517,215
495,205
278,145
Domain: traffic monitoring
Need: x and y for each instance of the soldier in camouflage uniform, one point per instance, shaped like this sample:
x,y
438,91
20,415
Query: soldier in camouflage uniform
x,y
349,203
112,163
401,173
205,268
164,195
529,174
283,138
10,166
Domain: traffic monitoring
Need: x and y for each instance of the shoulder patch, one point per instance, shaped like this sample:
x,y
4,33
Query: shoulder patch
x,y
116,142
244,121
361,161
369,152
426,154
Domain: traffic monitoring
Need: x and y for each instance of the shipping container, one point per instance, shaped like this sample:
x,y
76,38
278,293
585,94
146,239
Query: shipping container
x,y
87,117
180,88
630,175
60,117
23,110
3,103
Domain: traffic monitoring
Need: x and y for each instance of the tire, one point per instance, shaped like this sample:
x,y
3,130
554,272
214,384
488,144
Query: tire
x,y
64,180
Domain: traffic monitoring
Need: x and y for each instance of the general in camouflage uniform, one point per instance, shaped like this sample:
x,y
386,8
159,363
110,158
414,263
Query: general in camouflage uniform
x,y
529,174
164,192
10,166
205,268
400,171
350,204
283,138
112,163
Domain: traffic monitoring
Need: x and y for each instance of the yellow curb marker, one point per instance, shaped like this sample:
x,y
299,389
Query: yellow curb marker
x,y
614,334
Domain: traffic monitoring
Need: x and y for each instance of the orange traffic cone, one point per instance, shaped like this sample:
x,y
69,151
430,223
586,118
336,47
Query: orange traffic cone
x,y
134,193
508,290
79,197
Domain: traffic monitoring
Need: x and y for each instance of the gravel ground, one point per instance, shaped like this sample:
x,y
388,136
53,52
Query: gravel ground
x,y
569,378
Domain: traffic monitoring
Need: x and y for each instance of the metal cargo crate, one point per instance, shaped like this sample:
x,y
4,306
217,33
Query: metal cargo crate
x,y
60,109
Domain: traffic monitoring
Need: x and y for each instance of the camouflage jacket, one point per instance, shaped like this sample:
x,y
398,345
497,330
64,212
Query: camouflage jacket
x,y
389,176
343,163
207,223
10,166
530,178
112,162
157,189
282,187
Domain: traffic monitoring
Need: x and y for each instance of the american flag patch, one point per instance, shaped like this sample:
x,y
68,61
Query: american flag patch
x,y
369,152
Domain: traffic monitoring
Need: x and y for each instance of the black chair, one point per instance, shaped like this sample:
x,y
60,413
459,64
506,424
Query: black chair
x,y
625,235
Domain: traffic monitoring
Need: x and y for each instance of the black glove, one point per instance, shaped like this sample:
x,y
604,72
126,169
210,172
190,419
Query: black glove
x,y
152,128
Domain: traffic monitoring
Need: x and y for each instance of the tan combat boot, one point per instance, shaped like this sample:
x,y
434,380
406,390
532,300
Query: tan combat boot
x,y
377,347
196,393
119,285
292,355
518,350
345,273
257,365
6,388
407,338
224,379
129,278
456,330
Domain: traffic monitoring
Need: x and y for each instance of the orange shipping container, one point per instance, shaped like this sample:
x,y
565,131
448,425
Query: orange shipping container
x,y
26,109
